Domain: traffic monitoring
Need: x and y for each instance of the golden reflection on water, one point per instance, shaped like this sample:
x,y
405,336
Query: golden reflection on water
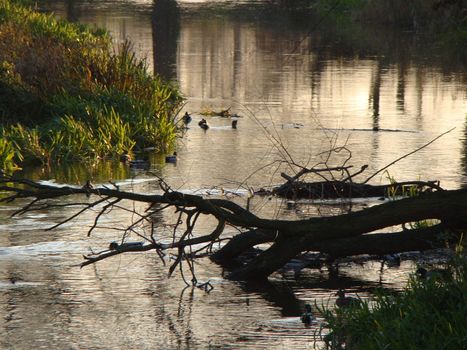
x,y
307,93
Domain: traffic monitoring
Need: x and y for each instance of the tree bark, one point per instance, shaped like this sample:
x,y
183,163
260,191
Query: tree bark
x,y
241,243
337,236
384,243
344,235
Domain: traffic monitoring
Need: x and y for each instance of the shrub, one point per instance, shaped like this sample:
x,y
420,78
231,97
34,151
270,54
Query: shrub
x,y
428,314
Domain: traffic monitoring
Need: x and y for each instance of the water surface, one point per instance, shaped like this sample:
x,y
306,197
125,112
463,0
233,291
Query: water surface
x,y
299,85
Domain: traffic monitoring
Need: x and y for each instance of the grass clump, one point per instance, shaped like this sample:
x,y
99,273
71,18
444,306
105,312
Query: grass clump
x,y
429,314
8,154
70,95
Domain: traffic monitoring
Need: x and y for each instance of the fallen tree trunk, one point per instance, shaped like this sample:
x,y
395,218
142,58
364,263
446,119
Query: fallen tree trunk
x,y
385,243
372,244
336,236
330,233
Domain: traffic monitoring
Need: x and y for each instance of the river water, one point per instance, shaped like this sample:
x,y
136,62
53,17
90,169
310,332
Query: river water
x,y
300,85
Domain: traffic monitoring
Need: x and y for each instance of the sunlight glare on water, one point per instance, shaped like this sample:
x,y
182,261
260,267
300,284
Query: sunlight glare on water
x,y
306,86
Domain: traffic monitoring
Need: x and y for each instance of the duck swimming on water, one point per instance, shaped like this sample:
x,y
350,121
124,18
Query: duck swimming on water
x,y
307,316
172,158
125,157
203,124
426,275
344,301
187,119
392,260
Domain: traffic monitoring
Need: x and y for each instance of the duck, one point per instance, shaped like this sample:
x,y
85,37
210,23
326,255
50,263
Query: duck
x,y
125,157
88,186
307,316
203,124
172,158
392,260
187,118
343,301
427,275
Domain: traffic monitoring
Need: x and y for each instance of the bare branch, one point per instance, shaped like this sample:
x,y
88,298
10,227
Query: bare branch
x,y
102,212
408,154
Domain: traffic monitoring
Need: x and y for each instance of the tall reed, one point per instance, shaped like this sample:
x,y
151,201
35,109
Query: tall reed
x,y
8,156
75,95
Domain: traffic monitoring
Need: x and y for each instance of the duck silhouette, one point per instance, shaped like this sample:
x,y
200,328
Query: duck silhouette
x,y
392,260
344,301
172,158
203,124
426,275
125,157
307,316
187,119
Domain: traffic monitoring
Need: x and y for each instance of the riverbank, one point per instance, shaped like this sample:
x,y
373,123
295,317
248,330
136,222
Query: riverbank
x,y
428,314
436,24
66,94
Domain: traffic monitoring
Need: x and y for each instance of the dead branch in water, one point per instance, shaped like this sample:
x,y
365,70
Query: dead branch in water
x,y
288,237
338,182
335,236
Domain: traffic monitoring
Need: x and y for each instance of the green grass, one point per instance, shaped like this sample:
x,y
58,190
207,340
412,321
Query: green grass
x,y
8,154
428,314
67,94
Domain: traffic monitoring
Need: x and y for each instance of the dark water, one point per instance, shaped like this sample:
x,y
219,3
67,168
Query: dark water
x,y
297,83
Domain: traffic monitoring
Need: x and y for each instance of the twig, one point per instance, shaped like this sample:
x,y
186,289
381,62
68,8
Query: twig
x,y
102,212
408,154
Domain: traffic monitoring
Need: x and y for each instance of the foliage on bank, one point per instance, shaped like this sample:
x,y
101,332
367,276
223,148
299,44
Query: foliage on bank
x,y
67,94
428,314
442,21
441,17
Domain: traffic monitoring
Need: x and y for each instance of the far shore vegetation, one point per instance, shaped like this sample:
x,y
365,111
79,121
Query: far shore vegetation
x,y
66,94
442,23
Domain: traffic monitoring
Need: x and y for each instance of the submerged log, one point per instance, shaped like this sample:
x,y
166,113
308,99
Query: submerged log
x,y
340,189
294,188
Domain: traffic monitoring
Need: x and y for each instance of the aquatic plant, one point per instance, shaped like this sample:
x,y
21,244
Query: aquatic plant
x,y
8,153
75,95
428,314
209,112
26,142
